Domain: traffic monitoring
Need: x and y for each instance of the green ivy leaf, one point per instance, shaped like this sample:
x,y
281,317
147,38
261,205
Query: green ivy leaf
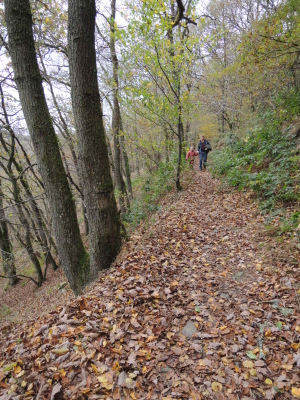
x,y
251,355
279,325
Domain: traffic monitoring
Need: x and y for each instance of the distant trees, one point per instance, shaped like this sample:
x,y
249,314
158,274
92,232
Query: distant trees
x,y
249,53
30,215
159,45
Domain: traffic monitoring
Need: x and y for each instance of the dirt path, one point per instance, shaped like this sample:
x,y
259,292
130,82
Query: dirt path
x,y
196,308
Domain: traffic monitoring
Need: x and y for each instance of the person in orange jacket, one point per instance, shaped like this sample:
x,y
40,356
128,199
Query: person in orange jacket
x,y
191,154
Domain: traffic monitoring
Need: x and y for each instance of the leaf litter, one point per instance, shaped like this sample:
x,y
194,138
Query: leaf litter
x,y
184,314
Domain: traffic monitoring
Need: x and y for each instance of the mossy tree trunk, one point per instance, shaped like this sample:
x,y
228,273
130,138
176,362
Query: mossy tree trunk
x,y
103,216
64,130
29,83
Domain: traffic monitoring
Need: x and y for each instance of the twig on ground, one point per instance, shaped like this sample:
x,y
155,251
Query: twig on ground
x,y
297,297
22,276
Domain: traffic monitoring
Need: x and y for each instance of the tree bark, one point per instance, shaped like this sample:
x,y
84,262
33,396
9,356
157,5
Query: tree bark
x,y
71,251
6,248
68,137
177,92
103,216
126,164
119,181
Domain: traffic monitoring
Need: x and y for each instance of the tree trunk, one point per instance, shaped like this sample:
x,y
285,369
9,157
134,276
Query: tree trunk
x,y
137,165
103,216
71,251
167,141
187,130
223,84
177,92
6,248
116,119
126,164
180,131
120,184
39,220
68,137
26,243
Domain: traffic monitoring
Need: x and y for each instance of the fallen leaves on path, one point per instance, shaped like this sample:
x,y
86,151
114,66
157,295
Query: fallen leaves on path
x,y
190,312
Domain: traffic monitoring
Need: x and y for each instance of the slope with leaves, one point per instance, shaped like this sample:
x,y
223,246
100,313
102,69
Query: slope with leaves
x,y
196,308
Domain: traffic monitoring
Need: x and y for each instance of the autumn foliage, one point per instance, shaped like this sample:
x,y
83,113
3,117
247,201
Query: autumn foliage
x,y
195,308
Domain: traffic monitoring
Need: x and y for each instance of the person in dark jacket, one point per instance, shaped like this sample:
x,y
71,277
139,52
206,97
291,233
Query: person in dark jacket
x,y
203,149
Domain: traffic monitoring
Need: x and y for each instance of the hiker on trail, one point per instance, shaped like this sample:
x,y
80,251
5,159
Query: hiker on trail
x,y
192,153
203,148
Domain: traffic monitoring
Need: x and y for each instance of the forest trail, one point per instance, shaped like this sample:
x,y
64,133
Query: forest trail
x,y
203,305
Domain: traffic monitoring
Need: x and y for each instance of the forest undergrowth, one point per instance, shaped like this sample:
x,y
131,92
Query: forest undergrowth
x,y
265,160
204,304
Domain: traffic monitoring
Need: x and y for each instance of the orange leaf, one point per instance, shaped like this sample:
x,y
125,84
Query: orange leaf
x,y
295,346
150,339
17,369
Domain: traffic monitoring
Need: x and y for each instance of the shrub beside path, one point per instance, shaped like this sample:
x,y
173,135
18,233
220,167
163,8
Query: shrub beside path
x,y
204,305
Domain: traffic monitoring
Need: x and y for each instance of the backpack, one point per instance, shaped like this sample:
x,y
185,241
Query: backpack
x,y
207,145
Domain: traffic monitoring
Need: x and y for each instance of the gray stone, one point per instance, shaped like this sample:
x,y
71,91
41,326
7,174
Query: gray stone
x,y
239,277
224,295
189,330
122,379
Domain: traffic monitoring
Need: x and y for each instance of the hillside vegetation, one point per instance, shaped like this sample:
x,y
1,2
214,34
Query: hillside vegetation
x,y
266,160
